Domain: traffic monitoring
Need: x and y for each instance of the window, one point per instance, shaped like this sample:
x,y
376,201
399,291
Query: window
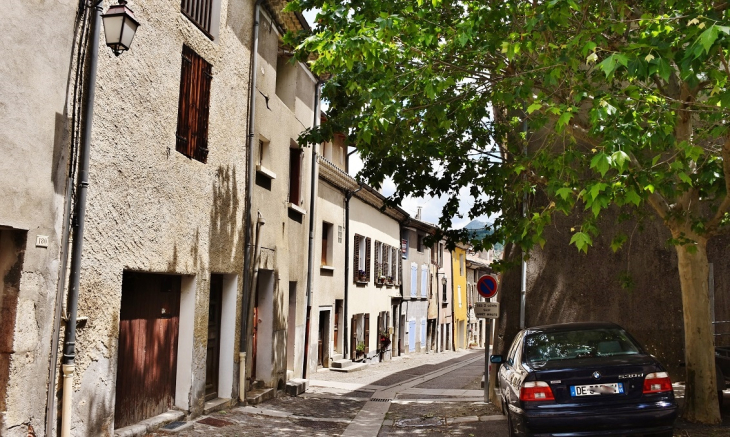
x,y
204,14
361,259
441,254
461,264
295,176
445,297
327,257
414,279
458,292
419,243
339,234
379,273
194,105
394,265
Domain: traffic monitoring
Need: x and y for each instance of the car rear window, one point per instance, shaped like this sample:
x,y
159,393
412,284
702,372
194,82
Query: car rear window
x,y
541,347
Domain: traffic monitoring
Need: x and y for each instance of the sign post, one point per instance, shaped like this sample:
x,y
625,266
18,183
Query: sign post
x,y
487,287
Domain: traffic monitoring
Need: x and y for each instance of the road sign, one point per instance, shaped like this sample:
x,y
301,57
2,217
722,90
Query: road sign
x,y
486,310
487,286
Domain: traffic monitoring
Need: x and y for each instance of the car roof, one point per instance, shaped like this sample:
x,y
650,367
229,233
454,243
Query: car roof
x,y
575,326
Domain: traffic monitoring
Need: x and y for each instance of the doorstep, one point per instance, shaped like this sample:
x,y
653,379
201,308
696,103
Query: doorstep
x,y
216,404
148,425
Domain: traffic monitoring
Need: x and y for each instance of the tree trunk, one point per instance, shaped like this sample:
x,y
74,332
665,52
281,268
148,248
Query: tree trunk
x,y
700,400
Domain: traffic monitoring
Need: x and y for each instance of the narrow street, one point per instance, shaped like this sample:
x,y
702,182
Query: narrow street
x,y
424,394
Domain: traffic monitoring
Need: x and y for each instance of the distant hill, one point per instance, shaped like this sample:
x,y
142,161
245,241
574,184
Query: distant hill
x,y
479,229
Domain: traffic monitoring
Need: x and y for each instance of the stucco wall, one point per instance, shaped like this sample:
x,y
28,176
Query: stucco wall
x,y
151,208
36,67
368,221
415,307
279,122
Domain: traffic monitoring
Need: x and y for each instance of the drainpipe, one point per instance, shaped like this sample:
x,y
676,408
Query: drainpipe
x,y
348,196
69,352
312,204
453,304
248,284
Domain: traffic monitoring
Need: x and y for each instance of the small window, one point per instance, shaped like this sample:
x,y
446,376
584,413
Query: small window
x,y
461,264
204,14
419,243
327,257
194,106
339,234
458,292
295,175
445,297
361,259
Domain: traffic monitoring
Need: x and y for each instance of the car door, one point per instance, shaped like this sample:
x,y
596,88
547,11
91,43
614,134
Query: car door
x,y
508,372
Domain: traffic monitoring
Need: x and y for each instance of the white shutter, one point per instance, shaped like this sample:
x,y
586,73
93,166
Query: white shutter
x,y
414,279
423,333
458,292
424,280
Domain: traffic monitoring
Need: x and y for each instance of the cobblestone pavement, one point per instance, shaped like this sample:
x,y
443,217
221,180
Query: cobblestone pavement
x,y
428,394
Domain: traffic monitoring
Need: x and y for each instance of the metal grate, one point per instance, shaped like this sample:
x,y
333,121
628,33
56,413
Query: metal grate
x,y
173,425
380,400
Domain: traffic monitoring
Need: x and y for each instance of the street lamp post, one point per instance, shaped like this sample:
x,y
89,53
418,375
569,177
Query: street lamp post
x,y
119,34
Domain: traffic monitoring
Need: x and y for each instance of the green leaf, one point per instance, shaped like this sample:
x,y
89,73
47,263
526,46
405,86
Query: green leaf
x,y
564,192
684,178
708,37
633,197
664,69
620,158
601,163
618,241
534,107
564,119
582,241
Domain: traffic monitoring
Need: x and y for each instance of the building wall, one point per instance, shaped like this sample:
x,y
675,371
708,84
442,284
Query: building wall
x,y
459,303
328,281
284,108
150,208
415,307
36,53
368,221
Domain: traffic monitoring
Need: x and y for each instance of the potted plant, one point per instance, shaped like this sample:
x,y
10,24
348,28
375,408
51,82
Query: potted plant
x,y
360,350
384,341
361,276
389,280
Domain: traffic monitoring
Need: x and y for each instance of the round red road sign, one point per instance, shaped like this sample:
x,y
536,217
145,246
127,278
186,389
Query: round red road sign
x,y
487,286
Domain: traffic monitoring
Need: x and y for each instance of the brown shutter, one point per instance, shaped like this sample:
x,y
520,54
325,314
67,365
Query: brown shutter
x,y
394,264
294,176
400,270
367,332
353,338
367,259
378,261
194,106
356,257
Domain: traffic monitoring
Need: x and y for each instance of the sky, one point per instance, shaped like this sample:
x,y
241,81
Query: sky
x,y
431,205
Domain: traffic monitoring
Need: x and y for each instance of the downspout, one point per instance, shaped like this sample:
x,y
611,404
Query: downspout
x,y
69,352
248,283
312,204
453,317
348,196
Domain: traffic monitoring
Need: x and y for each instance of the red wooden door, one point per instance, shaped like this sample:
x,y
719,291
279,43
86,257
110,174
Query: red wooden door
x,y
147,360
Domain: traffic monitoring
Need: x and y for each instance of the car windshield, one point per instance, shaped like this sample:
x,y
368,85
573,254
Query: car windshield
x,y
542,347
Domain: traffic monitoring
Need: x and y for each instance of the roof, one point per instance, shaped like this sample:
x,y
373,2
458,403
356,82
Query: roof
x,y
286,20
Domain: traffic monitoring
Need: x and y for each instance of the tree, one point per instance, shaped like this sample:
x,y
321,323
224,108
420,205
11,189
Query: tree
x,y
581,106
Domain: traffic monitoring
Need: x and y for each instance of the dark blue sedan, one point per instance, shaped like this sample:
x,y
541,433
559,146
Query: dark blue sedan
x,y
580,379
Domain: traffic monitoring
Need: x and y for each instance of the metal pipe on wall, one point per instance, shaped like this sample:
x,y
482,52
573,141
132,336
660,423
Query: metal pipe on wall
x,y
312,205
248,283
69,346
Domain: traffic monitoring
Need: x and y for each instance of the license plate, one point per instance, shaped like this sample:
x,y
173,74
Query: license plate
x,y
597,389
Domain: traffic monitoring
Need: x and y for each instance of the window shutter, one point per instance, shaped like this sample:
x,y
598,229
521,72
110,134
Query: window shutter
x,y
353,337
424,280
194,106
414,279
423,333
199,12
367,259
394,264
378,261
400,270
367,333
356,257
295,176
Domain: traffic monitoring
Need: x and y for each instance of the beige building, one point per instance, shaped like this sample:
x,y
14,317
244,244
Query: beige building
x,y
285,103
36,114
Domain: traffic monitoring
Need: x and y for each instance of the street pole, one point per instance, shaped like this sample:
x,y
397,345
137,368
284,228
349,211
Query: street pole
x,y
486,365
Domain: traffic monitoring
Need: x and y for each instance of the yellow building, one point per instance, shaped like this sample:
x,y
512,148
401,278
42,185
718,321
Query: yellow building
x,y
460,306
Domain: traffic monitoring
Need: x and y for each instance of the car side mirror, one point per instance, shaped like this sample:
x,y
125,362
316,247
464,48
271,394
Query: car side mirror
x,y
496,359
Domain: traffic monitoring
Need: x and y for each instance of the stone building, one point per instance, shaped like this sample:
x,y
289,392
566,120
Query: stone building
x,y
460,305
446,300
36,113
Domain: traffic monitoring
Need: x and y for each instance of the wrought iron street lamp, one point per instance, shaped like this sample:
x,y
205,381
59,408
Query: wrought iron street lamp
x,y
119,27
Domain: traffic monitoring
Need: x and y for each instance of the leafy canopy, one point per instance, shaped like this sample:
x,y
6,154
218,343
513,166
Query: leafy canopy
x,y
576,104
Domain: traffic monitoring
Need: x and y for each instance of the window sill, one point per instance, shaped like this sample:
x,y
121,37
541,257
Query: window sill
x,y
260,169
329,268
357,281
296,208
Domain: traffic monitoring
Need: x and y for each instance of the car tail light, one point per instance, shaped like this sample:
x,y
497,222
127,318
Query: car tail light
x,y
536,391
657,383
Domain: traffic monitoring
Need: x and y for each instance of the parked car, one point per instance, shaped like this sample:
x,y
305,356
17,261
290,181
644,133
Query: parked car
x,y
722,369
579,379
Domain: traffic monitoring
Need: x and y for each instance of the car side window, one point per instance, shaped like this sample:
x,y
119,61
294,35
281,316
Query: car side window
x,y
513,349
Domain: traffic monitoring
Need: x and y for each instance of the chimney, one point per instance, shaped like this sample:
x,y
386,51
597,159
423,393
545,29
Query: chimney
x,y
418,214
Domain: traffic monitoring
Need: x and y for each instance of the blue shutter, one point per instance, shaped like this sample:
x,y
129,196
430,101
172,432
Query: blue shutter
x,y
423,333
411,336
414,279
424,280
